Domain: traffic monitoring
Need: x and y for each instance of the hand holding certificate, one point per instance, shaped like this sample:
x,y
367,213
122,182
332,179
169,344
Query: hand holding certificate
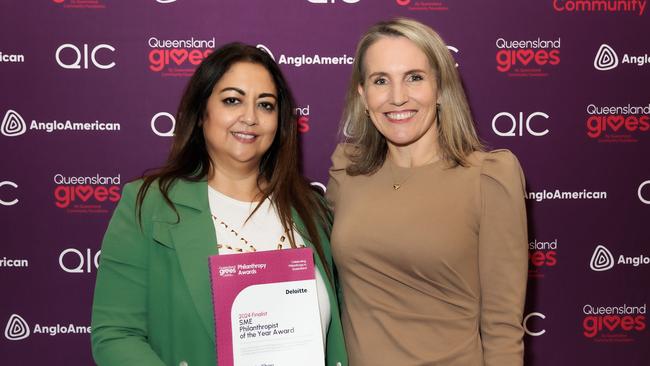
x,y
266,309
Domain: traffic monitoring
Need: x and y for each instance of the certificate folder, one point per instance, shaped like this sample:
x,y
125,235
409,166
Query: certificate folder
x,y
266,309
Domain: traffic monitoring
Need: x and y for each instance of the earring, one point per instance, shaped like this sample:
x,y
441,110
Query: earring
x,y
367,113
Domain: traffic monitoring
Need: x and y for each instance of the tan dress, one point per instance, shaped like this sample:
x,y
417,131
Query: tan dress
x,y
434,273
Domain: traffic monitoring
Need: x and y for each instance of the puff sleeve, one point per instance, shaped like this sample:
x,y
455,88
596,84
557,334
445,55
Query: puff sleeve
x,y
336,174
502,259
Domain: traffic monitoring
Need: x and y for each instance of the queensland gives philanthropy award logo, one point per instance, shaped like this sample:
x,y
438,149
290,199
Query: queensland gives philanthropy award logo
x,y
18,329
527,58
541,255
600,6
618,123
621,323
178,57
603,260
419,5
304,59
82,4
86,194
607,59
13,124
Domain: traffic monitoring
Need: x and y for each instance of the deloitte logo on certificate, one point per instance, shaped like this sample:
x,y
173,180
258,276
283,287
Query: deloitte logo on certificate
x,y
266,308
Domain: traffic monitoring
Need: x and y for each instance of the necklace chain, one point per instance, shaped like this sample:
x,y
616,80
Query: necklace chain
x,y
396,184
245,245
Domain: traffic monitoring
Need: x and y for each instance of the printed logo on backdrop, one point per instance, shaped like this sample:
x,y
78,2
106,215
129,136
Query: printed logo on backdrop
x,y
607,59
18,329
11,58
13,124
507,124
8,199
82,4
613,324
11,263
644,194
333,1
422,5
165,1
95,194
618,123
542,256
304,59
530,324
561,195
527,58
636,7
603,260
85,56
178,57
73,260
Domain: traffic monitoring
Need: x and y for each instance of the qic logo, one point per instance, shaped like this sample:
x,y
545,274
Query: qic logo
x,y
16,328
607,59
164,116
82,59
527,57
516,125
541,254
527,327
602,259
72,260
13,124
4,201
613,323
86,194
178,57
640,193
617,123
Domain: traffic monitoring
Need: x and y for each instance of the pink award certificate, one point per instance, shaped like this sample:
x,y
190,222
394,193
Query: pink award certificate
x,y
266,309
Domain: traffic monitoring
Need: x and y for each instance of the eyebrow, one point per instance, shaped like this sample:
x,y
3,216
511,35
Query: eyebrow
x,y
381,73
263,95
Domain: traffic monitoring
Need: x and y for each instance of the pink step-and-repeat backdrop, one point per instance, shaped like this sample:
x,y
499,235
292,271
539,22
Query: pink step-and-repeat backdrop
x,y
90,88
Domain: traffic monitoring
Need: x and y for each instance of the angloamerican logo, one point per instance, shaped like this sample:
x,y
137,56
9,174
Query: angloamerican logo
x,y
603,260
13,124
607,59
18,329
304,59
557,194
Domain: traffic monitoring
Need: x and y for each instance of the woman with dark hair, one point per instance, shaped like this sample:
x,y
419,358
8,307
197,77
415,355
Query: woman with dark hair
x,y
429,235
231,184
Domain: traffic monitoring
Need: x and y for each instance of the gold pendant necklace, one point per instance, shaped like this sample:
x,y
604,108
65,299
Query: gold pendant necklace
x,y
397,185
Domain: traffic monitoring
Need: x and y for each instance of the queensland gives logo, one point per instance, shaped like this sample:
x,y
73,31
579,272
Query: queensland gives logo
x,y
617,123
603,260
420,5
16,328
302,118
86,194
13,124
541,255
528,58
82,4
600,6
613,323
607,59
178,57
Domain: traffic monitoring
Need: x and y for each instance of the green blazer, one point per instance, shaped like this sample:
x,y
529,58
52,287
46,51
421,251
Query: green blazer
x,y
152,303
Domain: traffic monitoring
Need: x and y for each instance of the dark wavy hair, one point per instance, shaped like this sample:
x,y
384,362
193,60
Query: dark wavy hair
x,y
279,166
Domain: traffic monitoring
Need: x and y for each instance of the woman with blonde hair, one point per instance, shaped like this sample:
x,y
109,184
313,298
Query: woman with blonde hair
x,y
429,234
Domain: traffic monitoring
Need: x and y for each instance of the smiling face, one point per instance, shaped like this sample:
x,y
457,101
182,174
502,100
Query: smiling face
x,y
241,116
400,93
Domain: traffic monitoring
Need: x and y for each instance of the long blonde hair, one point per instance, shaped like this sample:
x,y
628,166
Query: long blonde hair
x,y
457,137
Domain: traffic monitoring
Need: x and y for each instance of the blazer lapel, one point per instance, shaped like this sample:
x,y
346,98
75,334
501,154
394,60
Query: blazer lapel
x,y
194,241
